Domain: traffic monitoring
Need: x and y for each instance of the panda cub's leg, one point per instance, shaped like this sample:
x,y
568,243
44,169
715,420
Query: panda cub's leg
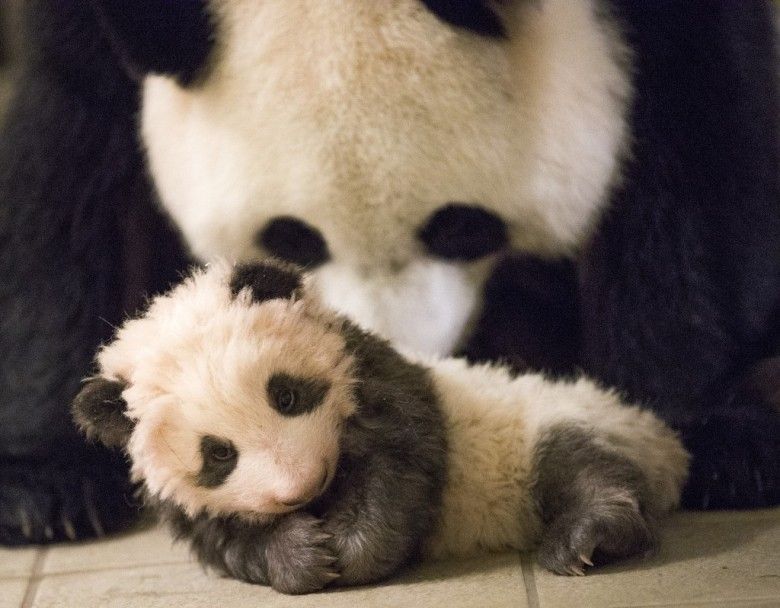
x,y
593,501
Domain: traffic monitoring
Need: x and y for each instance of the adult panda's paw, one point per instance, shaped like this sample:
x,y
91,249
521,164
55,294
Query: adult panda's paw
x,y
736,459
608,530
50,502
298,555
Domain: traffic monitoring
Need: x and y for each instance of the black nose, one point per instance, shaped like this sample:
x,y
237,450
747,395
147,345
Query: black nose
x,y
461,232
293,240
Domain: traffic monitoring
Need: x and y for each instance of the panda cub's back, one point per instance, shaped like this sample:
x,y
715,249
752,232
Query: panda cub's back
x,y
499,431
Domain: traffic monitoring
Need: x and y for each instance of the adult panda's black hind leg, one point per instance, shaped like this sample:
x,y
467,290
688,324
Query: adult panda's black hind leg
x,y
594,503
64,500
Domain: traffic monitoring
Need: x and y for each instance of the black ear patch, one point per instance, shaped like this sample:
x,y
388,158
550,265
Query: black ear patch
x,y
463,233
293,240
172,37
474,15
268,280
99,410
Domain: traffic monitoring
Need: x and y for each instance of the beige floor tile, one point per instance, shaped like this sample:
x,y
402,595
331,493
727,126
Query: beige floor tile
x,y
491,582
12,593
767,603
705,559
16,562
153,545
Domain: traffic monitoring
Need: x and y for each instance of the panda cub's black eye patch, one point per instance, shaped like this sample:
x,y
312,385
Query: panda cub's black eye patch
x,y
293,240
461,232
293,396
219,457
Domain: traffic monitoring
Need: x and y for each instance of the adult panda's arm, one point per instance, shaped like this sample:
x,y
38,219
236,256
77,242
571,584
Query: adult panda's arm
x,y
681,285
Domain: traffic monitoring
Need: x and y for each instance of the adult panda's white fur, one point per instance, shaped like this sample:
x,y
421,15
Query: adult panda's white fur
x,y
363,118
433,455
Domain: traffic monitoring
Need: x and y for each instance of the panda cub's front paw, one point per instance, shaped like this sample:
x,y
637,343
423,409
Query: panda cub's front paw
x,y
299,557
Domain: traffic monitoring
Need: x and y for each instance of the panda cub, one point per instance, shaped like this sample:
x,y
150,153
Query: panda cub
x,y
295,449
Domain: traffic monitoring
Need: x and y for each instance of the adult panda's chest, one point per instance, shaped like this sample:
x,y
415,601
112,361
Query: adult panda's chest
x,y
343,133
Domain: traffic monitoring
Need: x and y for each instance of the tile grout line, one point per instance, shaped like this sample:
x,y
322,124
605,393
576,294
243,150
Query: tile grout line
x,y
35,578
529,581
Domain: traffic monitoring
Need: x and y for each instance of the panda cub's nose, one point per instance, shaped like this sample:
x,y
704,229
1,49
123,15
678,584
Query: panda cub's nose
x,y
308,494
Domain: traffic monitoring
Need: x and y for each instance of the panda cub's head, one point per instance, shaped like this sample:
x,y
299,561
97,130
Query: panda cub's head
x,y
228,394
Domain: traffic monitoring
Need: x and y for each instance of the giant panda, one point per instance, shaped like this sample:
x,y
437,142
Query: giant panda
x,y
291,447
566,184
658,276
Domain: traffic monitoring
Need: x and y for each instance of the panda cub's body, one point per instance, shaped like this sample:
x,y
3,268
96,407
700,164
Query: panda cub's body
x,y
293,448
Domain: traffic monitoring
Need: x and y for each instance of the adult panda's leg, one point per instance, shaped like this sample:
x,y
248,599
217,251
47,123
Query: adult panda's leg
x,y
79,243
680,287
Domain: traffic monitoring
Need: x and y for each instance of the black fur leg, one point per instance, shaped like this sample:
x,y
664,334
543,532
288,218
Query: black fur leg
x,y
736,459
291,554
592,502
54,501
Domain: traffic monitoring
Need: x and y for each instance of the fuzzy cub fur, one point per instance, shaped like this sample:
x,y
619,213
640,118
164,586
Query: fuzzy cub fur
x,y
295,449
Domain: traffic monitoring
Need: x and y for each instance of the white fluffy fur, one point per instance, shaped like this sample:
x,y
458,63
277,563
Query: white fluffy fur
x,y
362,118
198,364
494,423
198,361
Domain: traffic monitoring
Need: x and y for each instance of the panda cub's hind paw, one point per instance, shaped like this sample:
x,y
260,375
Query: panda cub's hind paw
x,y
593,500
605,532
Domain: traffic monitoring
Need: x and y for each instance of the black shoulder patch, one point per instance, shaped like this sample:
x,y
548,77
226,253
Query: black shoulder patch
x,y
175,38
268,280
293,396
99,410
474,15
293,240
463,232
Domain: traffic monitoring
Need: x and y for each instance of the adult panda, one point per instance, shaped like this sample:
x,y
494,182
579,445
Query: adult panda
x,y
401,149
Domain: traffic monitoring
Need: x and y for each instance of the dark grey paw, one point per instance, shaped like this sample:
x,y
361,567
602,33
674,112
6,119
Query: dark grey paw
x,y
602,534
299,557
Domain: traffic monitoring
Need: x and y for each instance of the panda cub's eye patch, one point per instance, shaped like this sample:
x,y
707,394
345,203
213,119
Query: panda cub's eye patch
x,y
219,458
292,396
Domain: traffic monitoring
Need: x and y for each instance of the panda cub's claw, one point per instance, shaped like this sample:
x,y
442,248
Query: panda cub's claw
x,y
593,501
576,540
299,557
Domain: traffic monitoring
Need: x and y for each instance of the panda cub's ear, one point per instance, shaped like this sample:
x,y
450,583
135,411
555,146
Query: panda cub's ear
x,y
99,410
267,280
170,37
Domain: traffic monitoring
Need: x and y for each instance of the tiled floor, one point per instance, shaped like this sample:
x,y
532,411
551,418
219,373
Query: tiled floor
x,y
724,560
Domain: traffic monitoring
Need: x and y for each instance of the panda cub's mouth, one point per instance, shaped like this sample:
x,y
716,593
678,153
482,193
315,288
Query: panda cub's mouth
x,y
324,483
